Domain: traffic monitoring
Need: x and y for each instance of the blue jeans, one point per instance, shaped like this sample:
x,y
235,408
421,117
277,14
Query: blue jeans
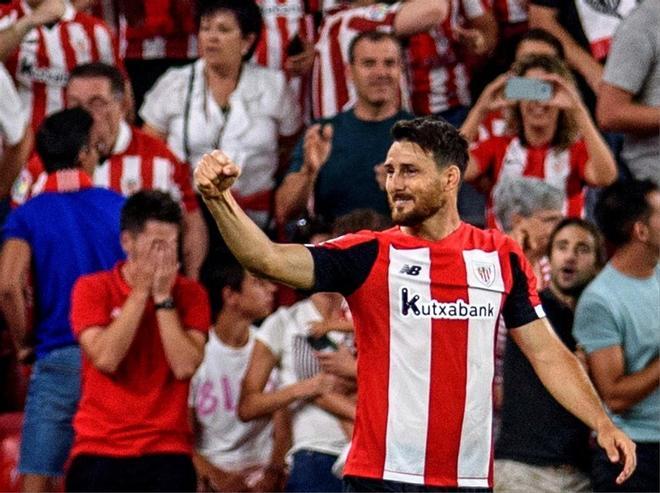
x,y
52,400
311,471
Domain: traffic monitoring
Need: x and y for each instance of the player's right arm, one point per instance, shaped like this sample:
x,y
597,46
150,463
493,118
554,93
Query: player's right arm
x,y
290,264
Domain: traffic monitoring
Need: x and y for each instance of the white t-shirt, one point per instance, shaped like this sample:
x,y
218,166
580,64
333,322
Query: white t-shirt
x,y
261,109
285,334
13,118
225,440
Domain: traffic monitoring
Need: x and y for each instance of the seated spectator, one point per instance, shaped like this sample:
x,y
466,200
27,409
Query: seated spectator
x,y
332,89
222,101
41,41
131,160
334,163
142,328
541,446
617,324
15,138
231,455
554,140
629,97
484,122
528,209
70,230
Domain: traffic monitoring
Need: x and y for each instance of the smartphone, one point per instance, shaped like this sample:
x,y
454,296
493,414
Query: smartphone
x,y
528,89
295,46
323,343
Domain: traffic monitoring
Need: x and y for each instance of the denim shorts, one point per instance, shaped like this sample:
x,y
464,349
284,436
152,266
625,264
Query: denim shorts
x,y
52,400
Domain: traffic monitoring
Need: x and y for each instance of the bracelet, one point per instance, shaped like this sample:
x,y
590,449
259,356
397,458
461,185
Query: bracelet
x,y
167,304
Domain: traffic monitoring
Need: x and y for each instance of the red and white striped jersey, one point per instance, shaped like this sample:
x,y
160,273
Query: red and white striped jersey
x,y
439,79
564,169
138,162
332,93
42,63
494,125
510,11
425,316
283,20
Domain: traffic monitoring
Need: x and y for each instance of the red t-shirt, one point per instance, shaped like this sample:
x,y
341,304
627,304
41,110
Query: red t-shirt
x,y
425,315
497,156
141,408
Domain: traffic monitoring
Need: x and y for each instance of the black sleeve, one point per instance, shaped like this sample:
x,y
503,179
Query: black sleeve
x,y
343,270
519,308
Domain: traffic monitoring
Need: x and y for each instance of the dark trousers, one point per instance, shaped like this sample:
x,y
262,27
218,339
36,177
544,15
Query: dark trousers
x,y
312,472
645,477
355,484
157,472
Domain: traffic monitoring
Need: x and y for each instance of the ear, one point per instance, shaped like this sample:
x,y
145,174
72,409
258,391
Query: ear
x,y
640,231
248,41
451,178
126,241
228,296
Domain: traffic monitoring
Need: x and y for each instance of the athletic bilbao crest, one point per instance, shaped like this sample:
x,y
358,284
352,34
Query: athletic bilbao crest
x,y
485,272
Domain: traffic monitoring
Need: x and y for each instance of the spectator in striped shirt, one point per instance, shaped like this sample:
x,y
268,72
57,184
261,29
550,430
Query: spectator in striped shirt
x,y
41,41
555,140
131,160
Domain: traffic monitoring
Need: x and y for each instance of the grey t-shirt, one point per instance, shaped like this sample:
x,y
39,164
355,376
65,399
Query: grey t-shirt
x,y
634,66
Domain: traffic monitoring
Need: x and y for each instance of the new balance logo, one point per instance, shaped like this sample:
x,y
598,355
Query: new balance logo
x,y
410,270
412,306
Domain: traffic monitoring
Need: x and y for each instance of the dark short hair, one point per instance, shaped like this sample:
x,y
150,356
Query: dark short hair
x,y
545,37
358,220
434,135
587,226
247,12
620,206
374,37
103,71
61,137
219,275
149,205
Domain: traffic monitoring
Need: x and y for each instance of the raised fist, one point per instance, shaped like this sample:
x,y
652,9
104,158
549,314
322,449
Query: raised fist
x,y
214,174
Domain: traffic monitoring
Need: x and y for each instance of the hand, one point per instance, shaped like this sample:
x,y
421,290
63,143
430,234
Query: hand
x,y
214,174
566,96
144,265
472,39
48,12
619,448
316,147
340,363
167,267
380,175
319,384
492,97
319,328
272,478
302,63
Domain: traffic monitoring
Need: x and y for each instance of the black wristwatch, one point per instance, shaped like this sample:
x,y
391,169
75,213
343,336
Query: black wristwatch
x,y
167,304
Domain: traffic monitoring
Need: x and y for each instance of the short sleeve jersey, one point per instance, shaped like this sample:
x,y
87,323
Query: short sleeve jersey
x,y
141,408
425,316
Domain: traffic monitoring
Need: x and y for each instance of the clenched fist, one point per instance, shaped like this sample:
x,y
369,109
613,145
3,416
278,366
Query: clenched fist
x,y
214,174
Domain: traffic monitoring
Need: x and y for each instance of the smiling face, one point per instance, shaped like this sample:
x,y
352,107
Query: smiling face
x,y
535,113
414,184
376,71
573,259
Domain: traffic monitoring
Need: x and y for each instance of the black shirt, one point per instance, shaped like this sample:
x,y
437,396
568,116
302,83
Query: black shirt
x,y
535,428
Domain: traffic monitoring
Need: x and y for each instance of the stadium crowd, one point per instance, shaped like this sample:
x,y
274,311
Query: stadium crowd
x,y
142,356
